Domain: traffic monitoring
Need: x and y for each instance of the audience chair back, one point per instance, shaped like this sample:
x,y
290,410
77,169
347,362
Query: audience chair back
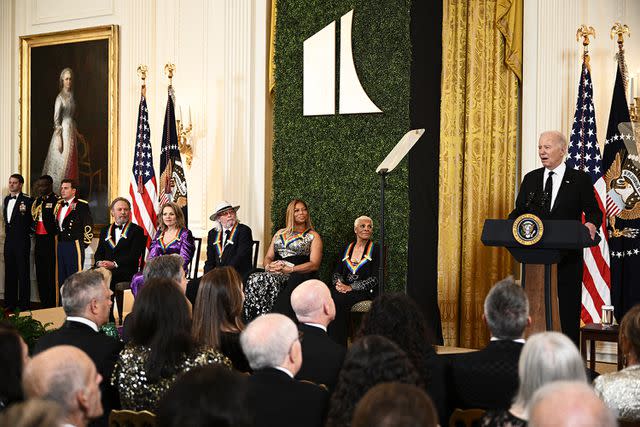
x,y
255,250
195,261
126,418
466,417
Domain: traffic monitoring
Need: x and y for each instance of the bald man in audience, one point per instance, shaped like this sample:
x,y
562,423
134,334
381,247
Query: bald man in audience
x,y
86,299
568,404
67,376
322,357
272,346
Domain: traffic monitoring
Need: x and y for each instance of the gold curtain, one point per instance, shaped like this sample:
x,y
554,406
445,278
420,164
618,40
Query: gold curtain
x,y
478,143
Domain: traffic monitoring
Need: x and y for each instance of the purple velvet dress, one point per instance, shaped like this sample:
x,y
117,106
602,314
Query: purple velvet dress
x,y
182,245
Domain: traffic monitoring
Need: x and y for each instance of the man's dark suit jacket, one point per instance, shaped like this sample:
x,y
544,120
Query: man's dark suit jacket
x,y
322,357
126,253
575,196
236,254
102,349
277,400
486,379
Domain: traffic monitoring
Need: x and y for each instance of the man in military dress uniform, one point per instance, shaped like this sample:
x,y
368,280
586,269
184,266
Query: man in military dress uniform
x,y
17,245
44,223
75,225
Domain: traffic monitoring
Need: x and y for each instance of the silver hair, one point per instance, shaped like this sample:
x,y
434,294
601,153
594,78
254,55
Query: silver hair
x,y
64,384
506,309
574,403
267,340
164,267
547,357
556,136
362,218
62,73
79,289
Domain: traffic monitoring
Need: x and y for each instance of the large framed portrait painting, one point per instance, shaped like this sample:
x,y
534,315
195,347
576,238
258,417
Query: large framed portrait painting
x,y
69,112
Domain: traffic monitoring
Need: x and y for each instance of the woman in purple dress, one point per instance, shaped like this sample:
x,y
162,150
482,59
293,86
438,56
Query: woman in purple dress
x,y
172,237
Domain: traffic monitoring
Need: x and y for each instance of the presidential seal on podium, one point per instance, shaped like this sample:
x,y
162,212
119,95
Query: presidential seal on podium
x,y
528,229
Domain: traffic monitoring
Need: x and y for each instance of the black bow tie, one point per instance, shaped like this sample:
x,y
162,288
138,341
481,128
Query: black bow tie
x,y
65,203
119,227
13,197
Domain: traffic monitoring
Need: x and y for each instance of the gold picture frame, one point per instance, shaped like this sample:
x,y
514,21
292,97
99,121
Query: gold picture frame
x,y
72,77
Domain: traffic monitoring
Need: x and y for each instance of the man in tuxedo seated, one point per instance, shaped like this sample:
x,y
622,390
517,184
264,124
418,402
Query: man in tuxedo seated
x,y
567,404
272,346
229,243
322,357
556,192
488,378
67,376
86,300
121,245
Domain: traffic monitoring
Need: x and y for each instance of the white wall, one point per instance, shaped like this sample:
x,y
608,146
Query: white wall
x,y
552,62
219,49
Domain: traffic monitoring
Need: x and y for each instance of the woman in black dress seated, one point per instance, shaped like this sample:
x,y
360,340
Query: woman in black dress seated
x,y
217,314
355,277
294,256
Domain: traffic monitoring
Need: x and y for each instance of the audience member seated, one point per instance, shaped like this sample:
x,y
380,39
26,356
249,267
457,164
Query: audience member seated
x,y
569,404
217,314
546,357
121,245
506,313
14,355
229,243
370,360
355,277
620,391
394,405
211,396
321,356
161,347
397,317
32,413
86,299
172,237
276,399
161,267
68,377
294,256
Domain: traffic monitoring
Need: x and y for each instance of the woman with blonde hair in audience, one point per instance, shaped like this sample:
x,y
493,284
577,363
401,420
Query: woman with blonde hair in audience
x,y
217,314
620,391
546,357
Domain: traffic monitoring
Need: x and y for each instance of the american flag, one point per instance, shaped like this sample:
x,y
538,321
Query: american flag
x,y
584,154
142,189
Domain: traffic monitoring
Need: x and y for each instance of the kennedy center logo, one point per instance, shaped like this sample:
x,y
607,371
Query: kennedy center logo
x,y
320,70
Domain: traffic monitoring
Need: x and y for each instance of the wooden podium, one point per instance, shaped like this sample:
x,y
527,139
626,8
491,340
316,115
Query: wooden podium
x,y
539,263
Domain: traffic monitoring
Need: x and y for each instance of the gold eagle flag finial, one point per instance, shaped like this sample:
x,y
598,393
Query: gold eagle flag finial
x,y
142,73
585,32
620,30
169,69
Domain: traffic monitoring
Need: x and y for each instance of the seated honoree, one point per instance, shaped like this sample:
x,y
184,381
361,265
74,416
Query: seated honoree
x,y
294,256
619,390
75,231
161,347
172,237
229,242
355,277
121,245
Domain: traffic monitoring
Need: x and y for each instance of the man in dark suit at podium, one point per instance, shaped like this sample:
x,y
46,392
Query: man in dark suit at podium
x,y
488,378
557,192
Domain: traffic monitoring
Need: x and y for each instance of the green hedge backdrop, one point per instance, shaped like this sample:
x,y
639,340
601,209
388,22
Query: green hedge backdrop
x,y
330,161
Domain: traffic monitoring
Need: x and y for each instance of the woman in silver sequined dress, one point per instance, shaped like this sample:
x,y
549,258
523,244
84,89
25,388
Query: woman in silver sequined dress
x,y
294,256
620,391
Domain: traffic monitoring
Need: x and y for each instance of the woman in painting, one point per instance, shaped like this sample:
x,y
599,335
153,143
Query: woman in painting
x,y
294,256
172,237
62,158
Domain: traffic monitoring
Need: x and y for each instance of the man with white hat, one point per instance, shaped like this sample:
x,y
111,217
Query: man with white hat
x,y
229,243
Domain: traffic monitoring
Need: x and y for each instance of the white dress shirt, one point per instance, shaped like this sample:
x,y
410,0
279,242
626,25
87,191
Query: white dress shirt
x,y
10,206
558,175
